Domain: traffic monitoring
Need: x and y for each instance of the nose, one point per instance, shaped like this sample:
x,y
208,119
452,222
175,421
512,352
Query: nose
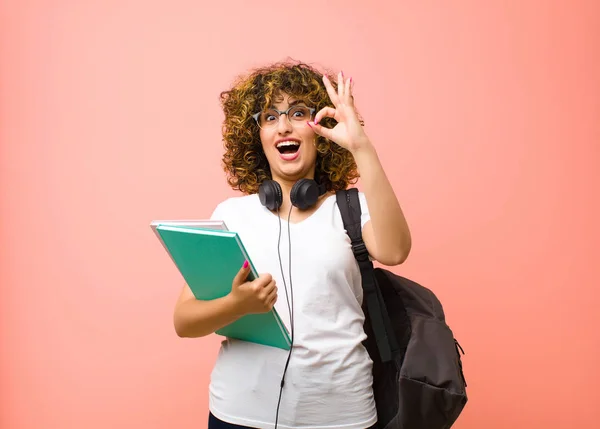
x,y
283,125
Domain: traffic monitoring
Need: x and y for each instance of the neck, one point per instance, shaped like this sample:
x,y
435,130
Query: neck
x,y
286,189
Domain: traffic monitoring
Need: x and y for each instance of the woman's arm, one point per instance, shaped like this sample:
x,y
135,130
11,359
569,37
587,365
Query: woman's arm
x,y
196,318
386,235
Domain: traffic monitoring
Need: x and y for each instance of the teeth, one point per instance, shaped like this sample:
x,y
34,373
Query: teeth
x,y
288,143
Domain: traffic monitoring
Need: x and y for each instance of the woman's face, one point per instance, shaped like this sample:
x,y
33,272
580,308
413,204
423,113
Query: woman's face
x,y
289,143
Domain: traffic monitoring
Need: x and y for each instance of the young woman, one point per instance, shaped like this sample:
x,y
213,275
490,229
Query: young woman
x,y
292,138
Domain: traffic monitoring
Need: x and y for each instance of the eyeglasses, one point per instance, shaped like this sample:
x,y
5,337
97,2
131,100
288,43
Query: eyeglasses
x,y
296,116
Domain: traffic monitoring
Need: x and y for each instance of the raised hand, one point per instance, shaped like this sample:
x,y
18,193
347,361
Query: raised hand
x,y
348,132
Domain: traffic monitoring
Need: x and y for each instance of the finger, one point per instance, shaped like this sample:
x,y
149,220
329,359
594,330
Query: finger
x,y
266,294
325,112
261,289
264,279
341,88
330,90
272,299
270,287
321,130
242,274
349,98
271,295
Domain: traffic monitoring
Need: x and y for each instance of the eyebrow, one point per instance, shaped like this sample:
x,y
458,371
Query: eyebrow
x,y
290,104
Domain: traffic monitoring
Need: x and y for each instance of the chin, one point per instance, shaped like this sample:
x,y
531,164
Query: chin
x,y
293,174
292,170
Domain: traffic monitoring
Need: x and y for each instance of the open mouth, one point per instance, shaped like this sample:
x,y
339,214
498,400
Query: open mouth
x,y
288,147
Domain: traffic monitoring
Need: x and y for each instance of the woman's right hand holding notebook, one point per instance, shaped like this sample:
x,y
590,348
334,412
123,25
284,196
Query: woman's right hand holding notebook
x,y
256,296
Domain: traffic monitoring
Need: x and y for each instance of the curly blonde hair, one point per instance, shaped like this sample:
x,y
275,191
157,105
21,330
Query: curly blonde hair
x,y
244,161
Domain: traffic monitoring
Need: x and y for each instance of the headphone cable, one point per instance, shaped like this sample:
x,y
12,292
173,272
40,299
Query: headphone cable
x,y
290,309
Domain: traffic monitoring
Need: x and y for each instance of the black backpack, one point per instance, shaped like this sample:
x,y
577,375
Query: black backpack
x,y
418,380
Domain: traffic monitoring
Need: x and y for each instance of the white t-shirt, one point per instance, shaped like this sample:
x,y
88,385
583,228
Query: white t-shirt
x,y
328,383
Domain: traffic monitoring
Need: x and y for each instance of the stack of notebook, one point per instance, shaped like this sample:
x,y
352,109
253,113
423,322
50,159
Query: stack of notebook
x,y
208,256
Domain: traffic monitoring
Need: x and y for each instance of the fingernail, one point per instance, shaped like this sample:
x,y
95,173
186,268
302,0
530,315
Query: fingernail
x,y
245,264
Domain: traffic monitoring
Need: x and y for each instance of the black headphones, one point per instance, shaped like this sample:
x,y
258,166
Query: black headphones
x,y
304,194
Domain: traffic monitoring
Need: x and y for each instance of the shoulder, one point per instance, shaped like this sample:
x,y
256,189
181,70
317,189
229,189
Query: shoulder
x,y
360,194
241,213
362,198
364,206
238,201
234,206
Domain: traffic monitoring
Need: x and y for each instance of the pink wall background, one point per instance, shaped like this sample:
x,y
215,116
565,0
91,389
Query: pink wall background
x,y
485,114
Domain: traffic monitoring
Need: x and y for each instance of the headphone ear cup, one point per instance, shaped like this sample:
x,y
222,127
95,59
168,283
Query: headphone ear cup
x,y
304,194
270,195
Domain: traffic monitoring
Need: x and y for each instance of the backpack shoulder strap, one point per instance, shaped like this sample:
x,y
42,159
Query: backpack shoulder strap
x,y
349,206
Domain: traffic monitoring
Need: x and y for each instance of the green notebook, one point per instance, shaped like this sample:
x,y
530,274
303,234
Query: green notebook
x,y
208,259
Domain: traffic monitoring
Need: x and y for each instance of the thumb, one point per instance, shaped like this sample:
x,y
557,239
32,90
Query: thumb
x,y
242,274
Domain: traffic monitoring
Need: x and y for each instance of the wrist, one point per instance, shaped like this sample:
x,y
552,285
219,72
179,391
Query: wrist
x,y
362,150
360,144
233,305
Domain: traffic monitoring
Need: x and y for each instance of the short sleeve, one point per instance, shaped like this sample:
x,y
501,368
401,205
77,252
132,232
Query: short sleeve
x,y
364,215
364,210
216,214
219,212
